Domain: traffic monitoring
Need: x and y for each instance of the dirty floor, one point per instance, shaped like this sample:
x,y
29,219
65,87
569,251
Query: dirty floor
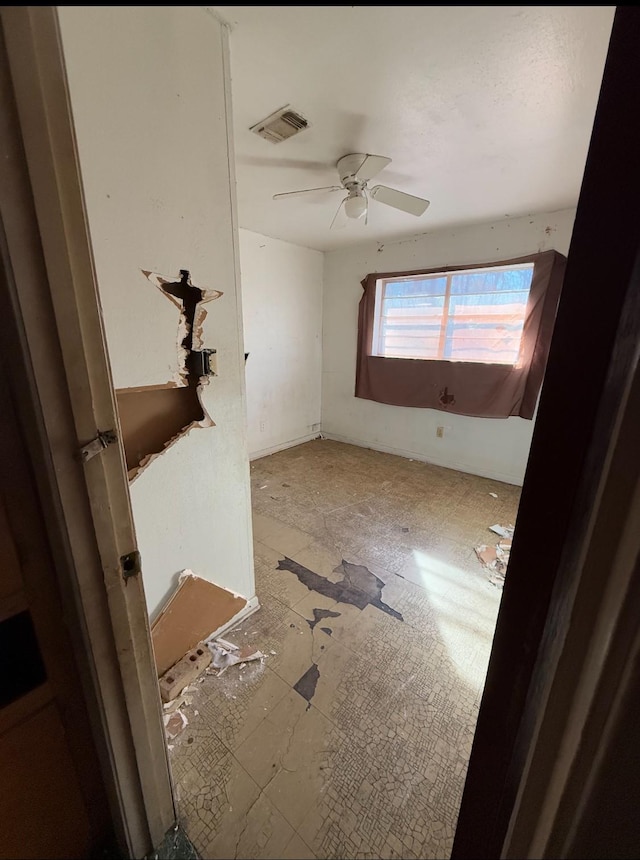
x,y
351,739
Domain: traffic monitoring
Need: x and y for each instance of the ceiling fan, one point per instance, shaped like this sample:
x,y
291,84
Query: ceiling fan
x,y
355,170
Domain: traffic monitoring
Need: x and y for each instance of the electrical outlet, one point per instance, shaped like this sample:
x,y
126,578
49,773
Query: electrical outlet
x,y
263,426
439,432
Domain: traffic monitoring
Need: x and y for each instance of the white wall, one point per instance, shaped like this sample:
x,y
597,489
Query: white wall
x,y
282,308
149,89
496,448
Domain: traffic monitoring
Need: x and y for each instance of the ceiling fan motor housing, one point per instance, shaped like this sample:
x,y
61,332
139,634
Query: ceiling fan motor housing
x,y
348,167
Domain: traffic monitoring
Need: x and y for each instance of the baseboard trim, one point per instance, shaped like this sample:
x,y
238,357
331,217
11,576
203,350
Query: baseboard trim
x,y
495,475
264,452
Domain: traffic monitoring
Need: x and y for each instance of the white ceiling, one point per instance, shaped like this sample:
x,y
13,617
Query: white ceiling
x,y
485,110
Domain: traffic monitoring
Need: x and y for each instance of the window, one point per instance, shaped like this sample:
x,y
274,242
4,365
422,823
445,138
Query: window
x,y
472,339
469,315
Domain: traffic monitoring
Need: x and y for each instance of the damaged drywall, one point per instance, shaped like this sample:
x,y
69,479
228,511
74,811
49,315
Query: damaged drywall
x,y
196,610
152,418
358,586
158,180
189,300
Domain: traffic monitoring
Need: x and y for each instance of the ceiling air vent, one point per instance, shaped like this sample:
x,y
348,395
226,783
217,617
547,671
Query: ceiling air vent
x,y
280,125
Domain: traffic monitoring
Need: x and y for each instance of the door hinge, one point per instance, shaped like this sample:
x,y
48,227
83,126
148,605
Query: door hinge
x,y
130,564
97,445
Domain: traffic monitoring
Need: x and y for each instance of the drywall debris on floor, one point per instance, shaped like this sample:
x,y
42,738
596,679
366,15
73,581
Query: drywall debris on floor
x,y
503,531
495,557
225,654
217,654
174,704
187,644
182,636
174,724
185,682
197,611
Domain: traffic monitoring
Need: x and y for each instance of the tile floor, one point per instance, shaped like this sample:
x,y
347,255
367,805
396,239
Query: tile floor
x,y
351,739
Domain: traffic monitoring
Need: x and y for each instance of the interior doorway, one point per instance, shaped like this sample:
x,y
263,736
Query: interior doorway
x,y
527,636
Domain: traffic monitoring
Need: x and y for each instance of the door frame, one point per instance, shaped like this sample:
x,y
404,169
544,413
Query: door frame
x,y
61,377
59,363
560,624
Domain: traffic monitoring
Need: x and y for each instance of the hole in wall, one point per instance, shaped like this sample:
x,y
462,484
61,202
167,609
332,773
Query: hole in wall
x,y
153,417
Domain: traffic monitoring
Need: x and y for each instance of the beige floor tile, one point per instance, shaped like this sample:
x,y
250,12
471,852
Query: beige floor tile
x,y
399,770
297,850
297,514
230,706
311,601
260,833
264,525
213,800
285,539
437,567
271,580
287,639
289,756
352,628
321,559
297,646
262,752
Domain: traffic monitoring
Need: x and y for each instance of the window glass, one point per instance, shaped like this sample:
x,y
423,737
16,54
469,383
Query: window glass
x,y
460,316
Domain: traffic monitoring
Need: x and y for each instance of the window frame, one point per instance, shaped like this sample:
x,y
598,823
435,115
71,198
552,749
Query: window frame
x,y
449,274
477,389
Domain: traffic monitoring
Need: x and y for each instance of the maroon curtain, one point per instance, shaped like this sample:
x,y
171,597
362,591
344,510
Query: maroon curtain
x,y
466,388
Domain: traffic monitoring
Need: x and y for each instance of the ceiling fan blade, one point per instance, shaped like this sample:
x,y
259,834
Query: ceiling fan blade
x,y
399,200
307,191
340,219
371,166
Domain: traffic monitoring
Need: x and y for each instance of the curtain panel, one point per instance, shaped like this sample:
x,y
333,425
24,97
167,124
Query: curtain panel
x,y
464,387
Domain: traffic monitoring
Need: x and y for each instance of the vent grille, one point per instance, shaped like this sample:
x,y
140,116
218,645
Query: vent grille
x,y
282,124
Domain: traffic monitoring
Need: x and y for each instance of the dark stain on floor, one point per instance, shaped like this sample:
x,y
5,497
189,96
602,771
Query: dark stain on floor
x,y
306,686
327,630
358,586
319,614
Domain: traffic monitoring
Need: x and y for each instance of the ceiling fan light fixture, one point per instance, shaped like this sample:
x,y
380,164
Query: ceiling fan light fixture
x,y
355,171
355,206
